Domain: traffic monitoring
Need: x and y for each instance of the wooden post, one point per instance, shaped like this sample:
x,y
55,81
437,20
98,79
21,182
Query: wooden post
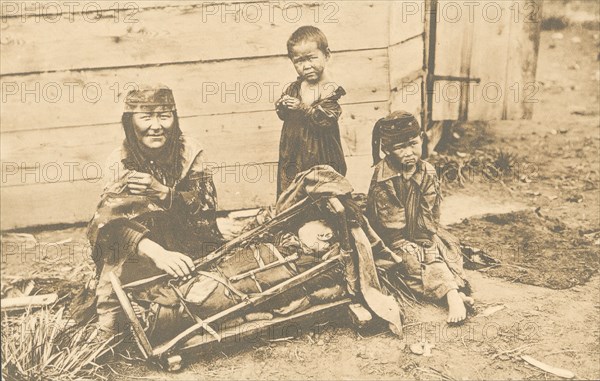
x,y
429,61
465,69
520,87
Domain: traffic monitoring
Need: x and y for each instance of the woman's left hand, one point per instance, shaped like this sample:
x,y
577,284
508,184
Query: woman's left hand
x,y
145,184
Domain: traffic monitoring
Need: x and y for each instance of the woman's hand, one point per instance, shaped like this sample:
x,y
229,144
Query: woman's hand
x,y
173,263
410,247
145,184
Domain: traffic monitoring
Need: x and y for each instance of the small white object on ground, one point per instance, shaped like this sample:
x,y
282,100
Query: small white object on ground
x,y
422,348
564,373
25,302
492,310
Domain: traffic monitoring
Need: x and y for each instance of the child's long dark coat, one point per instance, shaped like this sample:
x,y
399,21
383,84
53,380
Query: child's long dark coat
x,y
310,136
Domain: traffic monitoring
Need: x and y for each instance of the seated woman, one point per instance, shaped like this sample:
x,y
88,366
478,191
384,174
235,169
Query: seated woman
x,y
157,211
403,206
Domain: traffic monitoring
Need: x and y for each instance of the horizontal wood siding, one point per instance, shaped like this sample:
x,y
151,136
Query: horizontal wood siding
x,y
190,31
63,85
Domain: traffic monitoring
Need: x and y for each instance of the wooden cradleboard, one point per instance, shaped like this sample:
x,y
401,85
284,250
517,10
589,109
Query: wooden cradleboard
x,y
205,325
203,331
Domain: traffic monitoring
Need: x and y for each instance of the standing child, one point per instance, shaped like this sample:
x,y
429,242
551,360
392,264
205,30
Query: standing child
x,y
403,206
309,109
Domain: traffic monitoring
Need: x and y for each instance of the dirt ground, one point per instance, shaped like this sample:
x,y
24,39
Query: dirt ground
x,y
552,192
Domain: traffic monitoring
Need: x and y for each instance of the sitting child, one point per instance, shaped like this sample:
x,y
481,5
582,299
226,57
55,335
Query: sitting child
x,y
403,207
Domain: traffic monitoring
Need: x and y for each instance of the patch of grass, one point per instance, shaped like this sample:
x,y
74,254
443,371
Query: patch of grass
x,y
465,137
505,161
43,346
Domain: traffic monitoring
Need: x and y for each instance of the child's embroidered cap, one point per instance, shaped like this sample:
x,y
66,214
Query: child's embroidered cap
x,y
398,127
150,98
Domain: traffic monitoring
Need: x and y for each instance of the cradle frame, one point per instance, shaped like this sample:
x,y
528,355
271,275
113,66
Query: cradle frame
x,y
189,339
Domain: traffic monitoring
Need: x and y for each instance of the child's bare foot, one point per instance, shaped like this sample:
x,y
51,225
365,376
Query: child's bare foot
x,y
457,311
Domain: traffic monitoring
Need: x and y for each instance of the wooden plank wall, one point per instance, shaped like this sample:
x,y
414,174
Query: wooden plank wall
x,y
495,41
64,73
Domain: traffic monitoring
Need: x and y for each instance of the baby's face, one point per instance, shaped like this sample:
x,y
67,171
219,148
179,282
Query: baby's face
x,y
316,236
309,61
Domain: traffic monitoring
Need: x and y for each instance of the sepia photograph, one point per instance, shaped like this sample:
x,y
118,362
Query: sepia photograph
x,y
300,190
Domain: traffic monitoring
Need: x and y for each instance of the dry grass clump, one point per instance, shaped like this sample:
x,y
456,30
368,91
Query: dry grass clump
x,y
43,345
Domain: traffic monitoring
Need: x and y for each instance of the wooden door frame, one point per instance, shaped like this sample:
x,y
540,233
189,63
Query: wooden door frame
x,y
434,129
428,62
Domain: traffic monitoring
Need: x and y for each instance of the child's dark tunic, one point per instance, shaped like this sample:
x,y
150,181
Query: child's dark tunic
x,y
310,136
408,210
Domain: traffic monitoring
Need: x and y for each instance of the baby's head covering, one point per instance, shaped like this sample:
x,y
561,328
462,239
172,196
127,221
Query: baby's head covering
x,y
150,98
396,128
316,236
